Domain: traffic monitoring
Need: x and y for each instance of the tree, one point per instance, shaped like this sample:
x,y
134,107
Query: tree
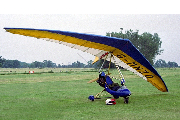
x,y
24,65
48,63
162,63
89,64
2,61
172,64
77,65
8,64
59,66
11,64
38,64
16,64
149,45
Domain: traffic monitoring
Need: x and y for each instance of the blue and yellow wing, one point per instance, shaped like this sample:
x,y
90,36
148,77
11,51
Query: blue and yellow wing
x,y
125,53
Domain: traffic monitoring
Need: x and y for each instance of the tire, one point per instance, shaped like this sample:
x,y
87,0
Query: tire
x,y
126,100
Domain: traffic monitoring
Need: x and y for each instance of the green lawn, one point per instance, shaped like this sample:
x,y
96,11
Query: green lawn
x,y
64,95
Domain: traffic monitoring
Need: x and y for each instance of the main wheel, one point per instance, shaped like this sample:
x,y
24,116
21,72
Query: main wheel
x,y
126,100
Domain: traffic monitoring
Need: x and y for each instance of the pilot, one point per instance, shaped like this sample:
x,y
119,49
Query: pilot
x,y
102,79
113,88
106,79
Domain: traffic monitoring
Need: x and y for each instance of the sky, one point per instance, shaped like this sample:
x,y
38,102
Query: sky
x,y
29,49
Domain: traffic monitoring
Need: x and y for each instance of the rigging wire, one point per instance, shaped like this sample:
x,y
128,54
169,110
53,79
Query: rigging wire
x,y
103,64
117,66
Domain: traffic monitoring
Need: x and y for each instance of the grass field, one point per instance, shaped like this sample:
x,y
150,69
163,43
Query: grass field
x,y
51,94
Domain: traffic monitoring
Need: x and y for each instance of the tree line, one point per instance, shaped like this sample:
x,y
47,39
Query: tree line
x,y
162,64
45,64
49,64
18,64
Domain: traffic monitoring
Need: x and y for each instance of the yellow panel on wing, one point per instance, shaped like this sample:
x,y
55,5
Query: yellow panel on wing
x,y
37,34
99,46
94,45
74,40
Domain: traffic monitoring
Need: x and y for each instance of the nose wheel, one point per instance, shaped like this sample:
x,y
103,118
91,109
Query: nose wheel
x,y
126,100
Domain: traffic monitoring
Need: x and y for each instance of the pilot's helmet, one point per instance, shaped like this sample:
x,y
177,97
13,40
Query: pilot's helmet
x,y
103,74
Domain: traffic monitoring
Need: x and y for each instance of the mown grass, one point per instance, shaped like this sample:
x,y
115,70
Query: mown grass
x,y
63,95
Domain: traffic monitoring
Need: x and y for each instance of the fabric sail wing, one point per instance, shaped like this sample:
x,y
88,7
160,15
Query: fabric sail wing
x,y
125,53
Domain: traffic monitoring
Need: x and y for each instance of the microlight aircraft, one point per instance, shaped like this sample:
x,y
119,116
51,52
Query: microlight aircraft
x,y
119,51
